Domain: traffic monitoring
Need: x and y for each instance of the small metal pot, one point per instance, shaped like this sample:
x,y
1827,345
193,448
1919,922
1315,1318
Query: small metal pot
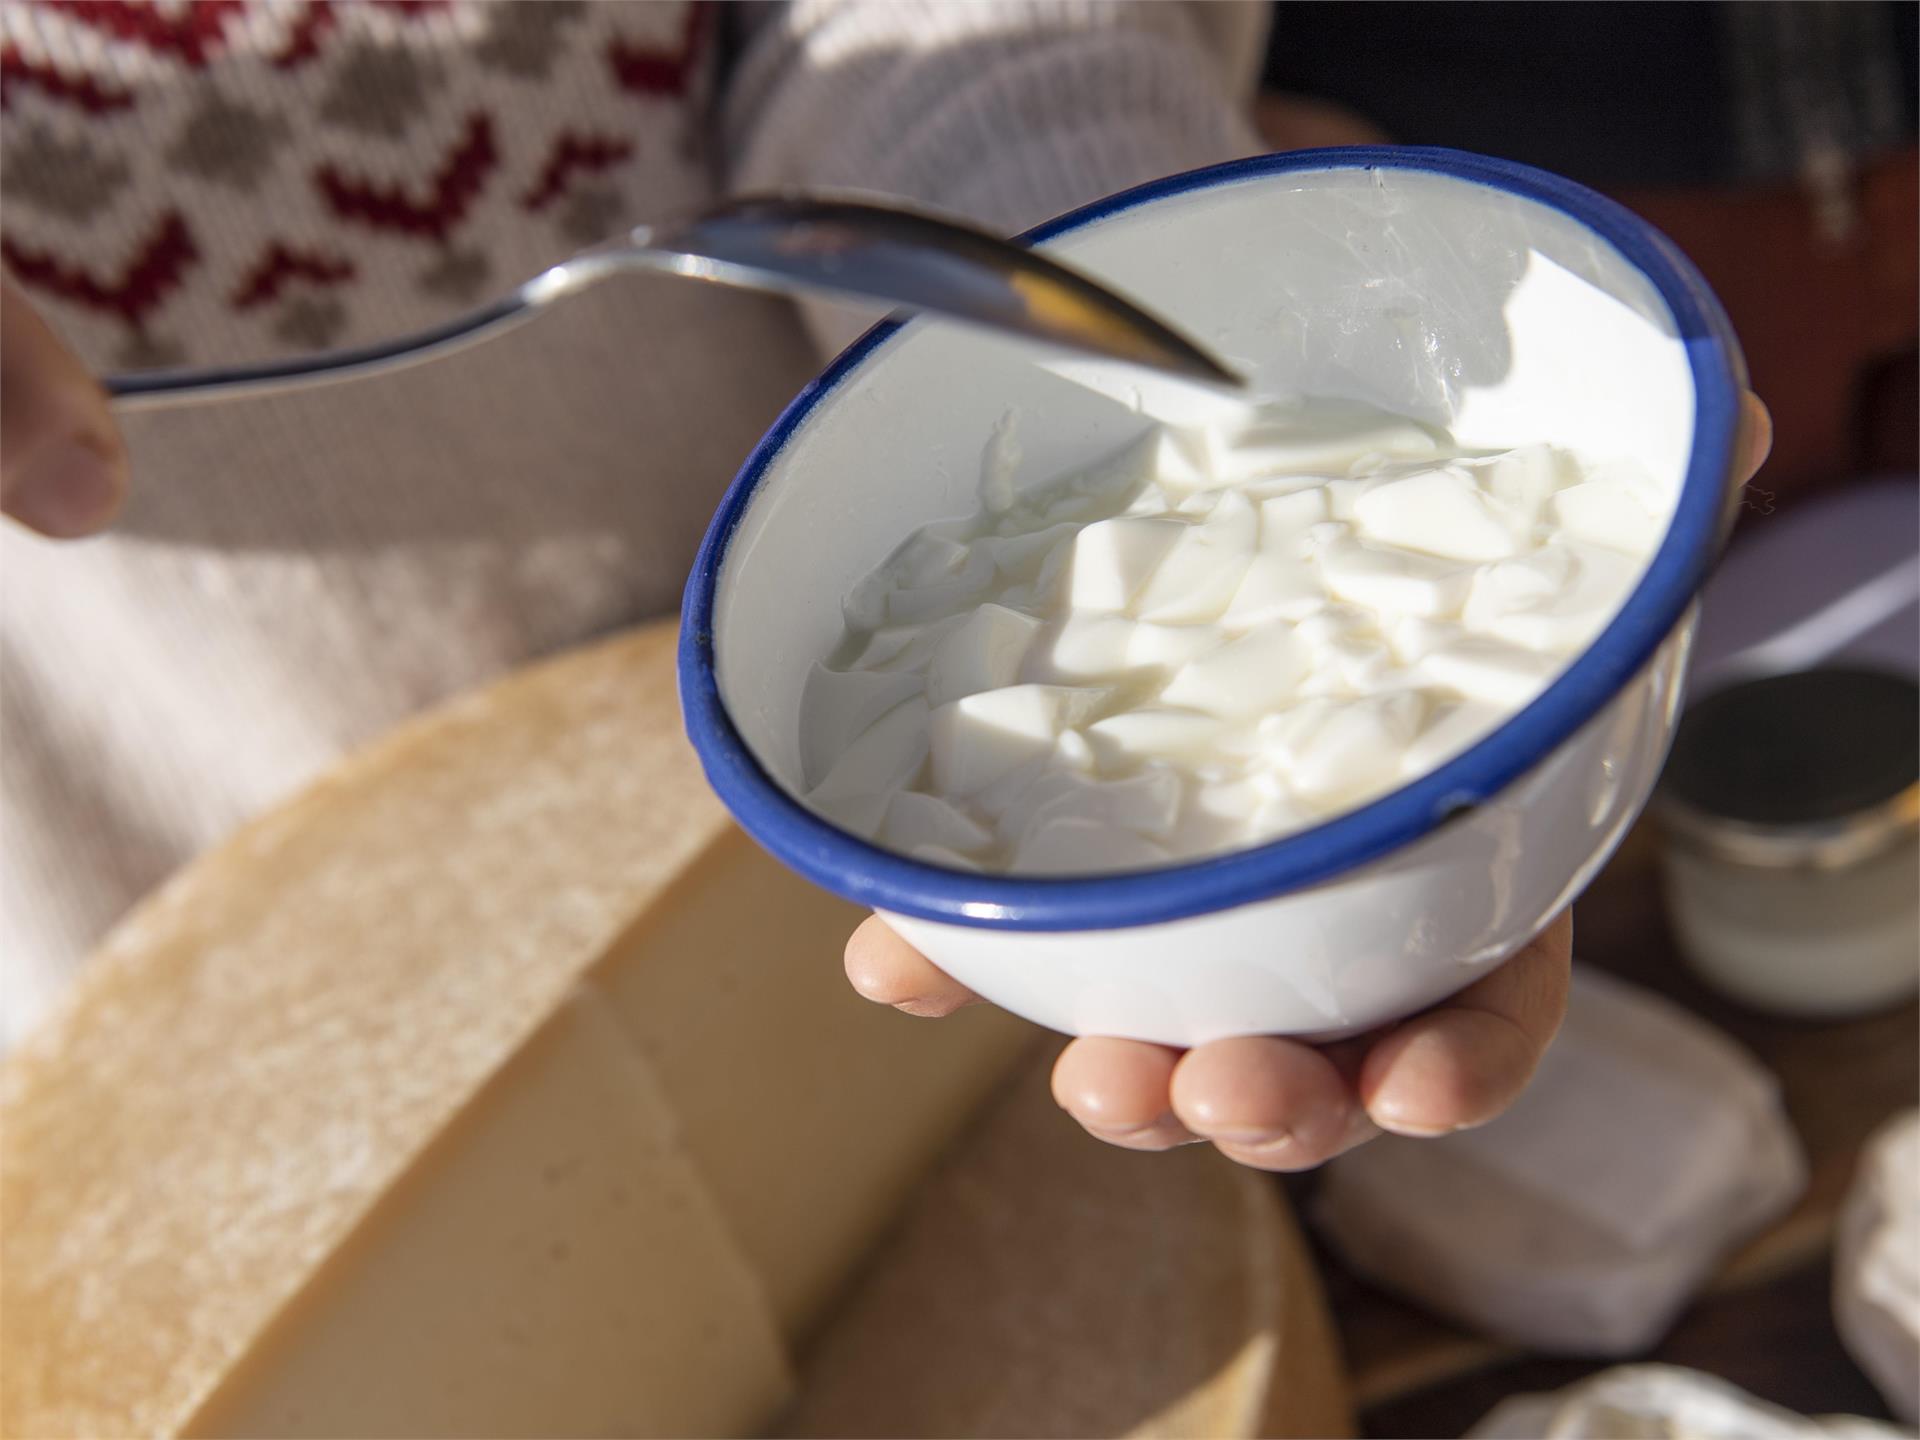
x,y
1791,813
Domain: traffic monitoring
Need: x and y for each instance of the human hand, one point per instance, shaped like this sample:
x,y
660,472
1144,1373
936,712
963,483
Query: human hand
x,y
1274,1103
1280,1104
63,469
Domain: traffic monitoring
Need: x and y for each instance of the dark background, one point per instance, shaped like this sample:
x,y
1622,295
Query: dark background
x,y
1611,93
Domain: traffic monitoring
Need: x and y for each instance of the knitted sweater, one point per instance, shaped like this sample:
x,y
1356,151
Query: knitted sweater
x,y
232,179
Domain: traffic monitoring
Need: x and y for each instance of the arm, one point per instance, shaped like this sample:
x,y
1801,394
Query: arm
x,y
1006,111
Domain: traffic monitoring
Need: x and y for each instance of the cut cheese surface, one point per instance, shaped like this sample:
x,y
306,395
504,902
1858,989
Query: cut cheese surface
x,y
1044,1283
285,1061
557,1204
809,1111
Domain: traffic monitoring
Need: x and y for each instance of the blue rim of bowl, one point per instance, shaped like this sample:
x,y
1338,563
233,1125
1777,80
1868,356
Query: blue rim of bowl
x,y
882,880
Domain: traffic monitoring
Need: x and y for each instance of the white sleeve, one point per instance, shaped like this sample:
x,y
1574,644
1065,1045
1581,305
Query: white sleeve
x,y
1006,111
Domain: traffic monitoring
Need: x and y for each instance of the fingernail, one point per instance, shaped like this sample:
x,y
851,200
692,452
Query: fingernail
x,y
67,488
1165,1133
1314,1131
1388,1117
933,1007
1259,1144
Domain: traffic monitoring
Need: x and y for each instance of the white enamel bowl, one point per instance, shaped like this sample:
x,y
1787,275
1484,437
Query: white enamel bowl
x,y
1508,304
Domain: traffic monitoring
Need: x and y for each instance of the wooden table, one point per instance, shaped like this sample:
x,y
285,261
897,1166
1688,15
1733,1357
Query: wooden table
x,y
1765,1321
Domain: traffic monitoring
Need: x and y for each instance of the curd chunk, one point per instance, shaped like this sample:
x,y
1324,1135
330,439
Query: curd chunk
x,y
1211,639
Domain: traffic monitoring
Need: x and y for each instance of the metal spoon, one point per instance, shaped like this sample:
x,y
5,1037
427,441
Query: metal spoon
x,y
791,244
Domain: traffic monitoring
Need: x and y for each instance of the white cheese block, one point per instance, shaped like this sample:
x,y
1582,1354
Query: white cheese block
x,y
1581,1220
1114,559
884,759
987,737
1244,678
915,820
1197,578
983,653
1439,511
1490,672
1149,734
1076,845
1394,582
297,1121
1662,1402
842,705
1876,1265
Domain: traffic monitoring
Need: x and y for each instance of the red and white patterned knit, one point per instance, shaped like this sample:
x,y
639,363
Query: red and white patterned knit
x,y
218,180
295,573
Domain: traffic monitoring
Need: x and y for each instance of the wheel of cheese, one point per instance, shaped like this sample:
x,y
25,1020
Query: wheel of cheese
x,y
498,1086
494,1086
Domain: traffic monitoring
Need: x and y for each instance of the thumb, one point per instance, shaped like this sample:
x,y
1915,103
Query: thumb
x,y
63,469
1756,435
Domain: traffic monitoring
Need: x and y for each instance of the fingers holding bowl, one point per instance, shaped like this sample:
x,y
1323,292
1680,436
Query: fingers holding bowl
x,y
1466,1060
1279,1104
1756,435
1120,1092
1270,1103
888,971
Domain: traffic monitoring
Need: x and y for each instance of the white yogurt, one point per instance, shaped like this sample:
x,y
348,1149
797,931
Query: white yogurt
x,y
1211,638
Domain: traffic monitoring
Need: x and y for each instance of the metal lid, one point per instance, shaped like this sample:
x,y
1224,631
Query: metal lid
x,y
1819,768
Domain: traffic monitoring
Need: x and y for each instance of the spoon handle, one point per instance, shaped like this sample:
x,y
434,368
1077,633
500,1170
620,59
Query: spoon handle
x,y
154,389
796,245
